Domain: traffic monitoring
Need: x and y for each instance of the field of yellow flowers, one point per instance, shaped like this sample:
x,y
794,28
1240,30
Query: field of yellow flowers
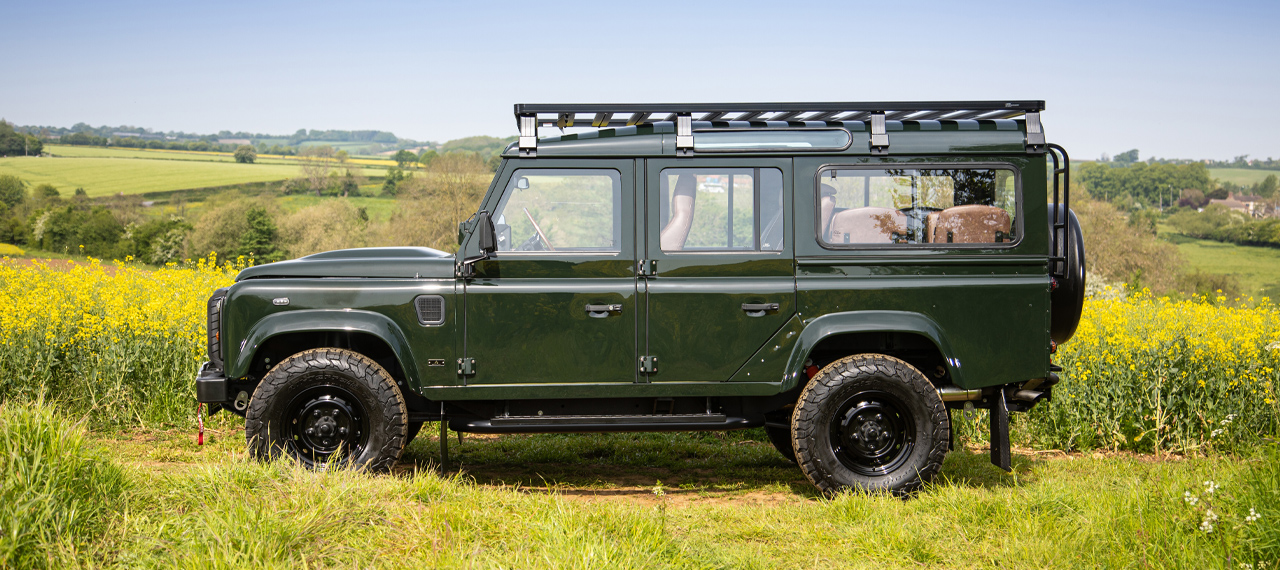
x,y
122,343
1157,374
119,343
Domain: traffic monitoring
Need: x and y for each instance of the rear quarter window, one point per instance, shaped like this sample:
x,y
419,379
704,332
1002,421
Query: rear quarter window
x,y
945,205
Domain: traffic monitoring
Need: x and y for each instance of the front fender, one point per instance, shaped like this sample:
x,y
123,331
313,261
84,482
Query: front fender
x,y
867,321
322,320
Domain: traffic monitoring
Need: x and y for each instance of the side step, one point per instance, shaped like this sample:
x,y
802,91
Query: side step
x,y
598,423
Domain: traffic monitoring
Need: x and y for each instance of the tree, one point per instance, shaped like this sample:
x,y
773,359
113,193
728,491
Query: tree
x,y
45,192
259,240
1127,157
426,157
1267,188
391,184
246,154
317,163
405,158
1192,198
13,191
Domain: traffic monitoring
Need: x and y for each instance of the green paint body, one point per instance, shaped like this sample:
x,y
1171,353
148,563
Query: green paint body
x,y
522,317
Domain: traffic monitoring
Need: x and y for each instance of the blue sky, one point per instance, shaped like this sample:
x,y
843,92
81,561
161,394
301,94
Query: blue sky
x,y
1173,79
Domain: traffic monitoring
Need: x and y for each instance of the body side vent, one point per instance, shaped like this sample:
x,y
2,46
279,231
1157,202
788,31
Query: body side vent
x,y
430,309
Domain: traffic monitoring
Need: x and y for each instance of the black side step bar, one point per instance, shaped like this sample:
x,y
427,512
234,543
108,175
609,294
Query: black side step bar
x,y
571,424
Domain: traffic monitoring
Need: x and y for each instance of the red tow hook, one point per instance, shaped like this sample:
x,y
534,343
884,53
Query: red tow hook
x,y
200,423
811,371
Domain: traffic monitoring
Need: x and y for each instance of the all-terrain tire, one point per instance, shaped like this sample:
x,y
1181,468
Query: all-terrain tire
x,y
870,422
355,412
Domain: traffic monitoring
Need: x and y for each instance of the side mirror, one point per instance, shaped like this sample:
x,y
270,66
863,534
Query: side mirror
x,y
488,236
522,183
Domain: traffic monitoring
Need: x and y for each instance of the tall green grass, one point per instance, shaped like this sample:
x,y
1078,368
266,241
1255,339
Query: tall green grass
x,y
56,490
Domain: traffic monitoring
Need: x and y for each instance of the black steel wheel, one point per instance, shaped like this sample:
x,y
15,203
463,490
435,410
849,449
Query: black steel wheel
x,y
870,422
328,406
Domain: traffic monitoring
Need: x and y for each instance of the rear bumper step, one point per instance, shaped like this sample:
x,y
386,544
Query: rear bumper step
x,y
570,424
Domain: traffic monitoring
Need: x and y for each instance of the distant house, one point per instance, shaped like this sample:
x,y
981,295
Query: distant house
x,y
1254,206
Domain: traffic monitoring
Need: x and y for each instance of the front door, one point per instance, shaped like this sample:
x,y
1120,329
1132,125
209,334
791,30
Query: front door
x,y
718,232
557,302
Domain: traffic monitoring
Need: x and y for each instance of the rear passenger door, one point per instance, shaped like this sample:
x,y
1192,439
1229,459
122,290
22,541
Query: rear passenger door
x,y
718,256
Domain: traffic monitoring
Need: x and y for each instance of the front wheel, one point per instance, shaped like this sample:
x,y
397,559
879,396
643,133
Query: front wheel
x,y
870,422
327,406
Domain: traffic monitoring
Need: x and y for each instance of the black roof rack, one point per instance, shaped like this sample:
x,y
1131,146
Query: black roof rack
x,y
530,117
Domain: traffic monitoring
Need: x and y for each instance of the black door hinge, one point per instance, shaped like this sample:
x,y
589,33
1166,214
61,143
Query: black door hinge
x,y
466,366
648,365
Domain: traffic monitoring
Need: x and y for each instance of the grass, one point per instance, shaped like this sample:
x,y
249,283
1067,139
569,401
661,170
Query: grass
x,y
69,151
101,176
1257,268
716,500
1241,176
107,176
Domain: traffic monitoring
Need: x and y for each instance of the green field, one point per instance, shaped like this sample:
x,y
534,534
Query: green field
x,y
1257,268
107,176
107,171
66,151
1241,176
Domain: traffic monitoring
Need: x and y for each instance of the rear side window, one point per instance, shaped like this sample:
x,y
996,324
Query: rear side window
x,y
721,209
933,205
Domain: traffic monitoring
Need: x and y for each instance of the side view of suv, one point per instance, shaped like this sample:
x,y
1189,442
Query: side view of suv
x,y
841,274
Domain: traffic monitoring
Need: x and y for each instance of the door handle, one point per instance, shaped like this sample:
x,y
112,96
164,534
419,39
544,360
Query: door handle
x,y
759,309
602,311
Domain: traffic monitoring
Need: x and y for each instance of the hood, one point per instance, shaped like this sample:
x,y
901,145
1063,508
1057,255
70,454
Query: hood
x,y
387,262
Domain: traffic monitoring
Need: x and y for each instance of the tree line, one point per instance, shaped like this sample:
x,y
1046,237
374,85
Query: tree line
x,y
13,143
429,202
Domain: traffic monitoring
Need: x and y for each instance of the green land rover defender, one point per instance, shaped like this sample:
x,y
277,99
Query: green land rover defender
x,y
841,274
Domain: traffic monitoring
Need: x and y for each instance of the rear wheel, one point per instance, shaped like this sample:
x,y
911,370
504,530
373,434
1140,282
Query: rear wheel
x,y
870,422
328,406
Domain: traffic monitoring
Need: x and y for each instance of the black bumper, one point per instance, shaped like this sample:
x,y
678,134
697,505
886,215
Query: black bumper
x,y
211,386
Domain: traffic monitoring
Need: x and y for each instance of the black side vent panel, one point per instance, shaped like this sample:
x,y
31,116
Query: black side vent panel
x,y
430,310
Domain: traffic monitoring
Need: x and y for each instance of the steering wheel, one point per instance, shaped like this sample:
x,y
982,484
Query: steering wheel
x,y
538,229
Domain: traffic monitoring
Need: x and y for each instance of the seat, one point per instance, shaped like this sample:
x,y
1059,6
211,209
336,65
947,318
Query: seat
x,y
868,225
676,232
971,223
828,206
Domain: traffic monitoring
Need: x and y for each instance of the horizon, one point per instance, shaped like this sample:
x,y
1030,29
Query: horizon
x,y
1156,77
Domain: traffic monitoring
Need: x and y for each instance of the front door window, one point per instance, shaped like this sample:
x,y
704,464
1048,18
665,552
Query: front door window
x,y
560,210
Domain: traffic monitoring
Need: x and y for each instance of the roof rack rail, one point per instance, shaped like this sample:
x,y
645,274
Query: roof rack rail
x,y
530,117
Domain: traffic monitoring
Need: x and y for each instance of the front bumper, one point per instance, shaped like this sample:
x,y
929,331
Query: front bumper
x,y
211,385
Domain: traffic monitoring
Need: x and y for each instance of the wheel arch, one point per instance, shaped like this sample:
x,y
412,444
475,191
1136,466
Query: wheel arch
x,y
282,335
852,332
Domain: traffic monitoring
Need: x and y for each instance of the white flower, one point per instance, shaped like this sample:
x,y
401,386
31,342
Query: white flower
x,y
1215,433
1190,499
1246,566
1253,516
1207,523
1210,486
